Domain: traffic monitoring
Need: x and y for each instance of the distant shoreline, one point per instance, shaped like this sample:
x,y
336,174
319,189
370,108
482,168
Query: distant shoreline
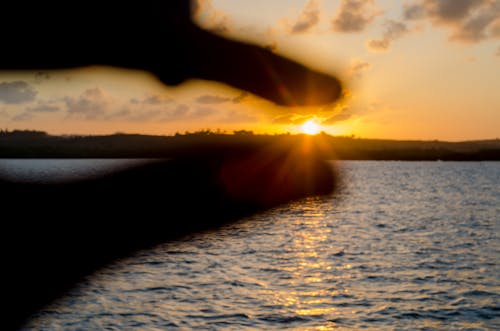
x,y
38,144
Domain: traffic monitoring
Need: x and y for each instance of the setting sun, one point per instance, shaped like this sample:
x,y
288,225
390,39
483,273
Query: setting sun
x,y
310,127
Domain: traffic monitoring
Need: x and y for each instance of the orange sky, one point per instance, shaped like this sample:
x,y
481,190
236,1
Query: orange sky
x,y
416,69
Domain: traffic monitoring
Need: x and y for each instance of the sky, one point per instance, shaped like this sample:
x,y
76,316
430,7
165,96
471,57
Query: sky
x,y
413,69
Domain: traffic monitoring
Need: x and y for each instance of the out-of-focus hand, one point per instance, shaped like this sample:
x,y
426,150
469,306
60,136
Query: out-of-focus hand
x,y
153,35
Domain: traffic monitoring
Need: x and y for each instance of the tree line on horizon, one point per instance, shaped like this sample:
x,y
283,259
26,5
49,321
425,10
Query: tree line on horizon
x,y
39,144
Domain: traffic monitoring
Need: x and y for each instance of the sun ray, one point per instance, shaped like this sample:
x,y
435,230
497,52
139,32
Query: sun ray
x,y
310,127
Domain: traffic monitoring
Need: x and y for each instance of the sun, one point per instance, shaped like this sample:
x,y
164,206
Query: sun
x,y
310,127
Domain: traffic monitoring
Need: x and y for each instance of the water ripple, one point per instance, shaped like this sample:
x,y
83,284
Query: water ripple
x,y
404,246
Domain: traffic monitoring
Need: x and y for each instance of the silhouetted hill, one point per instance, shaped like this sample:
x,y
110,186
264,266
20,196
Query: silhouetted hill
x,y
36,144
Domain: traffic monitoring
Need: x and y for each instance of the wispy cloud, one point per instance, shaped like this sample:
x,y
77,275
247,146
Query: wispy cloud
x,y
23,117
17,92
217,99
358,67
43,107
354,15
339,117
308,18
392,30
152,99
212,99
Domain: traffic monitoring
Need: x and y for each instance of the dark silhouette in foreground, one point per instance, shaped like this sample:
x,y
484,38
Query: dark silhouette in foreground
x,y
156,36
57,233
54,234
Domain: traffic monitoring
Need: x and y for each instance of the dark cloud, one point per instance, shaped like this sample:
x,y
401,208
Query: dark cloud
x,y
16,92
354,15
475,28
91,104
470,20
212,99
450,10
308,18
392,31
43,107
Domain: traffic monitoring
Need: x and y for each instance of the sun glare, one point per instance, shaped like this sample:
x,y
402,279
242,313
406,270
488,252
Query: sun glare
x,y
310,127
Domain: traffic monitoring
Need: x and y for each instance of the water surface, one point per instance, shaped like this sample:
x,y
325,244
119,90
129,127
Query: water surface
x,y
47,171
402,246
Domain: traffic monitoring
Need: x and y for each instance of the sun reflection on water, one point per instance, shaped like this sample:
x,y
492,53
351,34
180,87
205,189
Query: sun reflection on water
x,y
319,264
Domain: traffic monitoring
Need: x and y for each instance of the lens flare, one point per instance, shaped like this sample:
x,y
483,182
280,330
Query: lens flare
x,y
310,127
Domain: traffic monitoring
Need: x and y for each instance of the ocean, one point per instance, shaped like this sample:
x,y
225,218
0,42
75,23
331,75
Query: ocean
x,y
399,246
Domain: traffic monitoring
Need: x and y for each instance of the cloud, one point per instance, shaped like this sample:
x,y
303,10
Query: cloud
x,y
495,29
41,76
475,28
291,119
201,112
215,99
43,107
240,98
354,15
442,10
91,104
357,68
343,115
23,117
308,18
210,18
16,92
393,30
153,99
413,11
212,99
470,20
120,114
